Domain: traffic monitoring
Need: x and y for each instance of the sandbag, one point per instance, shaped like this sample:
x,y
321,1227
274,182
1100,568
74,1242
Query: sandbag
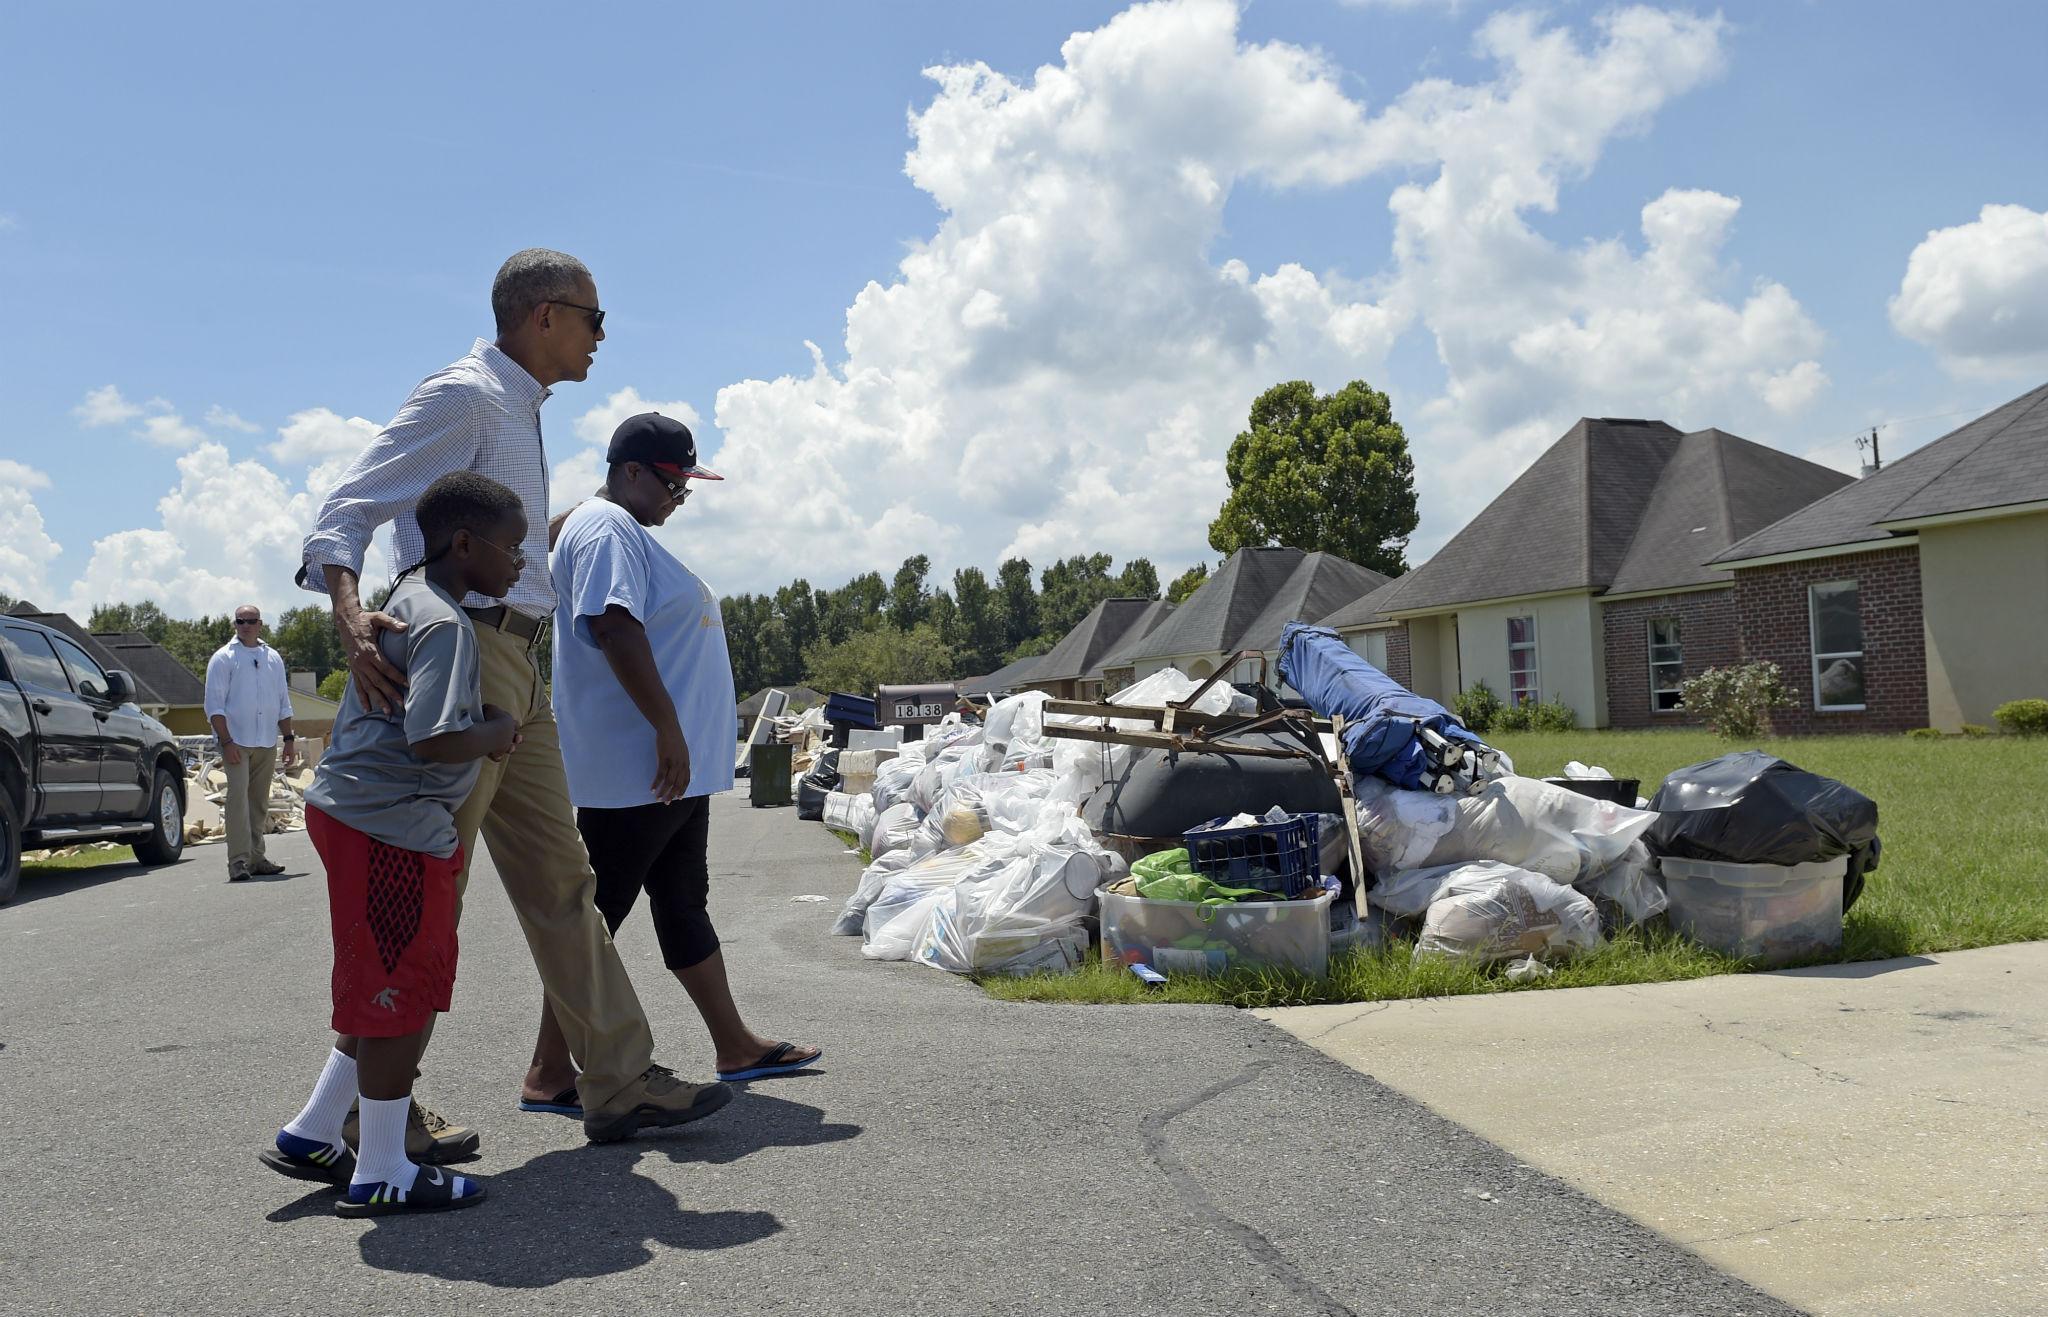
x,y
1750,807
1498,916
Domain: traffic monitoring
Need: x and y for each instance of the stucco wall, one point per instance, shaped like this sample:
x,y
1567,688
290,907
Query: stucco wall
x,y
1571,651
1433,657
1984,614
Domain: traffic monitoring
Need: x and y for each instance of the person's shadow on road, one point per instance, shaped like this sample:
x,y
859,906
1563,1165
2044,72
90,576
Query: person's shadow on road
x,y
584,1212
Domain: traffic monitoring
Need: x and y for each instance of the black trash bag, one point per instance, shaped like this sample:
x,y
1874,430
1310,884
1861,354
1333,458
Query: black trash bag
x,y
1753,808
810,792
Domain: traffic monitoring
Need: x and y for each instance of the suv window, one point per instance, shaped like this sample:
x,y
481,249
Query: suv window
x,y
31,660
86,677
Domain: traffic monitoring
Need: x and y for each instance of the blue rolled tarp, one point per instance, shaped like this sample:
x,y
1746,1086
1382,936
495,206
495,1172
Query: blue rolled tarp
x,y
1383,720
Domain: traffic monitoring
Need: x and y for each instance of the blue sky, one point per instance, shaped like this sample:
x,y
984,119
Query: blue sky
x,y
265,215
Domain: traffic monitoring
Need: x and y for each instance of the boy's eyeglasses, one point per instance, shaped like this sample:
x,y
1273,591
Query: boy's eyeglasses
x,y
516,556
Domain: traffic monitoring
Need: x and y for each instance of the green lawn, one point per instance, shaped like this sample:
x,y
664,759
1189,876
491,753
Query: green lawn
x,y
1964,823
35,862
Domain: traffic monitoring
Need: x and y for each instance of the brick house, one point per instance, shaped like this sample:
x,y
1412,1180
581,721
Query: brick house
x,y
1589,579
1917,596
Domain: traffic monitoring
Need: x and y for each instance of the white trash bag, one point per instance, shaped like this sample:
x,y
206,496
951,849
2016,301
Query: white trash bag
x,y
1632,887
1019,917
894,827
1496,917
1517,820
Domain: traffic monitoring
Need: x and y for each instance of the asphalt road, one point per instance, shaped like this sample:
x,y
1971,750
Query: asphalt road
x,y
954,1155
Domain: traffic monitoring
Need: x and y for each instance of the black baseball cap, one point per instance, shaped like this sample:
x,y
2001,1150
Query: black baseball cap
x,y
660,442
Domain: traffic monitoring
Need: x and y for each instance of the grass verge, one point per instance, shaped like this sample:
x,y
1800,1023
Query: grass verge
x,y
34,862
1965,864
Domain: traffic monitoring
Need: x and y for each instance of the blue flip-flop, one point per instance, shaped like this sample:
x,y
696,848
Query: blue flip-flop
x,y
564,1103
772,1064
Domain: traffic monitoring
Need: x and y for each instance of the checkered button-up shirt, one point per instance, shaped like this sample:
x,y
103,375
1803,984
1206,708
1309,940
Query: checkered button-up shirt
x,y
481,414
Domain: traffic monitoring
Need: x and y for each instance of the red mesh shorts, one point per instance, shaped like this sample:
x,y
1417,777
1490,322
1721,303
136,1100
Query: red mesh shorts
x,y
393,913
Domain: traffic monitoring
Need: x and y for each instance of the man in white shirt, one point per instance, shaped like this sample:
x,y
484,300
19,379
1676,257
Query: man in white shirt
x,y
249,703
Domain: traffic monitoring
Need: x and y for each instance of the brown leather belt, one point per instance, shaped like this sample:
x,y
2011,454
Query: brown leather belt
x,y
518,625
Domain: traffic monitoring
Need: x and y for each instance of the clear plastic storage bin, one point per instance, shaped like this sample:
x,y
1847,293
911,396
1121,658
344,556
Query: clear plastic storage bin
x,y
1774,913
1183,937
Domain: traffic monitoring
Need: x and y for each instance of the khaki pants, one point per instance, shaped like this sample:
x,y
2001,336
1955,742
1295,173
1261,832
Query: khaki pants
x,y
248,803
522,808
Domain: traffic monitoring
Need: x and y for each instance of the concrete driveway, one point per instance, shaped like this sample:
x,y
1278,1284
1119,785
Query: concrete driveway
x,y
1857,1139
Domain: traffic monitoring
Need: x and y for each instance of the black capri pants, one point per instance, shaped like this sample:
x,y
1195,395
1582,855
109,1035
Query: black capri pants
x,y
664,849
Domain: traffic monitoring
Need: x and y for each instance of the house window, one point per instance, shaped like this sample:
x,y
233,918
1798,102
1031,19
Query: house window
x,y
1667,664
1523,686
1835,615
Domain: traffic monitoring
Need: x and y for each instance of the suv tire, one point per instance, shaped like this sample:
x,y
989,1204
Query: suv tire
x,y
166,839
10,845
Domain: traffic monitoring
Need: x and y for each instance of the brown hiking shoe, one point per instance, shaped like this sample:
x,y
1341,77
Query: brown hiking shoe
x,y
238,871
429,1140
656,1099
265,867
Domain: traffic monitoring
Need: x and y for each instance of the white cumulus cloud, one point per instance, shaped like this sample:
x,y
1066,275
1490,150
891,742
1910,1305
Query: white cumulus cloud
x,y
221,418
1978,294
105,406
26,549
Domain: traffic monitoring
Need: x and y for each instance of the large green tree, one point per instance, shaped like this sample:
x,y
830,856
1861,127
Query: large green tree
x,y
1069,588
1138,580
796,608
1019,601
908,598
307,639
1189,581
1328,473
146,618
882,656
979,621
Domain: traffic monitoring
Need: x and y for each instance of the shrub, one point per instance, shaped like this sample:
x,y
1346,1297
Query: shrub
x,y
334,684
1553,715
2023,717
1478,708
1925,733
1734,701
1975,729
1512,718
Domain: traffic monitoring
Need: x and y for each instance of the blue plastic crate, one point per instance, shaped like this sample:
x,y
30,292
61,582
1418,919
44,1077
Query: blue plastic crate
x,y
1281,858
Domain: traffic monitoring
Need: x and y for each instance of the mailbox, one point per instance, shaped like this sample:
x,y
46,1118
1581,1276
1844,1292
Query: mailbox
x,y
915,706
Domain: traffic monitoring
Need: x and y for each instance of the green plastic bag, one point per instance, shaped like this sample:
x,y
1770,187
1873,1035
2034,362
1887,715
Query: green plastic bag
x,y
1169,876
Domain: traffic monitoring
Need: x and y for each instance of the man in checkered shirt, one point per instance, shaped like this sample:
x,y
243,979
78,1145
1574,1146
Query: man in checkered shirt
x,y
482,414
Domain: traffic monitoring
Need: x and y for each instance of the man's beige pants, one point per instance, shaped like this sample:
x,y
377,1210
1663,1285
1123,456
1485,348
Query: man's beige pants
x,y
248,803
522,808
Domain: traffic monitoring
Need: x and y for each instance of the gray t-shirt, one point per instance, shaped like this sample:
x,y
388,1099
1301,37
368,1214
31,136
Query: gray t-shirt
x,y
369,778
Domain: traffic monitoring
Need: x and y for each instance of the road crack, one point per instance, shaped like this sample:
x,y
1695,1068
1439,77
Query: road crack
x,y
1311,1297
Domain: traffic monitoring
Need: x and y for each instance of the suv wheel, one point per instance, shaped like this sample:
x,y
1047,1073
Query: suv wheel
x,y
166,839
10,846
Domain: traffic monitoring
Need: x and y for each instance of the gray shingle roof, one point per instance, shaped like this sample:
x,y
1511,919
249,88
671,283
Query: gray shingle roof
x,y
1716,489
155,669
1564,524
1250,601
1093,638
2001,458
1002,680
1366,609
1155,613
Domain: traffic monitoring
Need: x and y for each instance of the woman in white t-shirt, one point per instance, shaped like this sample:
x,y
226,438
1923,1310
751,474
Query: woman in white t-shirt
x,y
643,696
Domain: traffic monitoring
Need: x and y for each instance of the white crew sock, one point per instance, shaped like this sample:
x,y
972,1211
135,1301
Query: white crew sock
x,y
381,1155
328,1107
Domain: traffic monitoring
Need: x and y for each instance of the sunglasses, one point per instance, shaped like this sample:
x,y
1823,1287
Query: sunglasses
x,y
678,490
596,315
248,621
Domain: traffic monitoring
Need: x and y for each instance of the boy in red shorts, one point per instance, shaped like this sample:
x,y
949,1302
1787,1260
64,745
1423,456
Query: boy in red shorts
x,y
381,813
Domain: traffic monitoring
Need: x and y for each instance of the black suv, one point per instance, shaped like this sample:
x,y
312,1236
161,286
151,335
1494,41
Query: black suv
x,y
78,761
